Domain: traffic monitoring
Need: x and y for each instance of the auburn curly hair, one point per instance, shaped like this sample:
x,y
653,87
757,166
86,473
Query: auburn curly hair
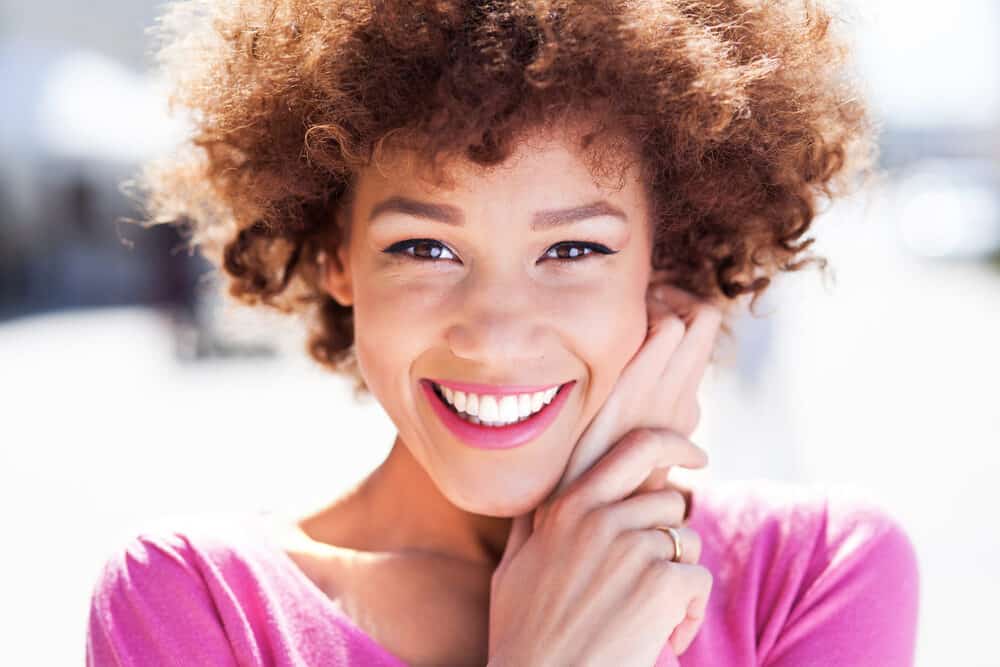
x,y
742,111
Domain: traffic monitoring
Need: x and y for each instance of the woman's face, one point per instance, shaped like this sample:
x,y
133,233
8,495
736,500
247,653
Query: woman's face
x,y
485,297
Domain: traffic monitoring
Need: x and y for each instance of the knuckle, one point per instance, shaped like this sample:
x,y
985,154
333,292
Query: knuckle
x,y
565,510
642,442
598,526
707,578
635,436
627,548
633,541
662,574
676,499
701,577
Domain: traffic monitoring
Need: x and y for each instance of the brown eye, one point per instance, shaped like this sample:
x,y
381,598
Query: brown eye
x,y
422,249
429,250
572,251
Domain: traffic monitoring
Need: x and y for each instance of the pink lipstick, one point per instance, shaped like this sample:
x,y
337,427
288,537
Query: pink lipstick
x,y
496,437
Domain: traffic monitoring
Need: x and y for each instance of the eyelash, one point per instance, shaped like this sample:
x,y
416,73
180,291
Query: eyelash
x,y
399,249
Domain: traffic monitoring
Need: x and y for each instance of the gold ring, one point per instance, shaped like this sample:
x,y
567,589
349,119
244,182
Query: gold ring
x,y
676,537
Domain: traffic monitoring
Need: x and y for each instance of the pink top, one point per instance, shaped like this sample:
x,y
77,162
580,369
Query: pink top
x,y
800,579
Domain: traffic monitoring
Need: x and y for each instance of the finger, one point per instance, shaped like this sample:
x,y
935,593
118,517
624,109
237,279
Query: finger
x,y
634,552
638,379
690,545
637,382
648,545
702,356
677,300
687,364
664,507
688,413
665,583
689,308
656,480
645,511
681,412
686,630
640,376
618,475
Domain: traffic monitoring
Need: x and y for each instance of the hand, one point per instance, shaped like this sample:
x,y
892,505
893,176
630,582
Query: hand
x,y
667,298
593,584
659,386
596,524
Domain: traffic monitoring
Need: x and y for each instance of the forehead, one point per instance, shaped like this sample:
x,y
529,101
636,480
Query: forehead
x,y
542,164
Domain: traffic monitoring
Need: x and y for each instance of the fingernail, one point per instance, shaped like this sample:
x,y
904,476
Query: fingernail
x,y
659,292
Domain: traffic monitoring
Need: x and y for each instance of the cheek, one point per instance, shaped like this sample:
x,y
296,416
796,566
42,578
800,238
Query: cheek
x,y
379,318
608,327
610,337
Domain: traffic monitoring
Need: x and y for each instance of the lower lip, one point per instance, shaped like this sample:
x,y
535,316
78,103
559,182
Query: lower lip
x,y
497,437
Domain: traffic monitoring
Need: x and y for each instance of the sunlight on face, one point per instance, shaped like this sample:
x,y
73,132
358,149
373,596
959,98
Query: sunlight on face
x,y
481,283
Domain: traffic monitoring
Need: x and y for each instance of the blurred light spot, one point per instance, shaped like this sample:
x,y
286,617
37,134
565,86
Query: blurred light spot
x,y
949,208
929,63
92,107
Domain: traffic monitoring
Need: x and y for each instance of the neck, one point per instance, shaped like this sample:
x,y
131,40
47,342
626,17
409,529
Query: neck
x,y
398,508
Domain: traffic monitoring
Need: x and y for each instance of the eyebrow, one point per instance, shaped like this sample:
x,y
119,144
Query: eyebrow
x,y
452,215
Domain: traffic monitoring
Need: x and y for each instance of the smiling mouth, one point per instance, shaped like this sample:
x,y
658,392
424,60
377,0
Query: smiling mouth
x,y
475,419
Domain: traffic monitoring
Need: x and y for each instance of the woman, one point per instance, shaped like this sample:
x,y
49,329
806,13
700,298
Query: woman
x,y
520,226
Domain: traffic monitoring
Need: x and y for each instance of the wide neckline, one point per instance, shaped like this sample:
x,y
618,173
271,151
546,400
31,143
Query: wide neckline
x,y
264,528
322,598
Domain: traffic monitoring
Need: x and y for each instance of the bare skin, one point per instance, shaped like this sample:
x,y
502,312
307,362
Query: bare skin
x,y
427,529
379,580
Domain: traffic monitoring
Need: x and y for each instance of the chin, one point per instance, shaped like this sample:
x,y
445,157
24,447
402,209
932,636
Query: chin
x,y
500,499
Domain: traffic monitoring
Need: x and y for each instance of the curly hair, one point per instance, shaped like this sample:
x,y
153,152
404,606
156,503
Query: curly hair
x,y
742,111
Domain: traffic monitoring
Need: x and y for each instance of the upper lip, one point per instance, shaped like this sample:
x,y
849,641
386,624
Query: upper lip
x,y
477,388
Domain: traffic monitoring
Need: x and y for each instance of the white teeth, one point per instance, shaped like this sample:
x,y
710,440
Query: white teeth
x,y
524,405
508,409
497,410
488,411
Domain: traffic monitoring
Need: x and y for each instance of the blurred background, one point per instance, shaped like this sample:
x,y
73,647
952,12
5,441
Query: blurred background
x,y
125,380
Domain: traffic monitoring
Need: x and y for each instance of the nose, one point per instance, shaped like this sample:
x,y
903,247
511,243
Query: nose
x,y
498,324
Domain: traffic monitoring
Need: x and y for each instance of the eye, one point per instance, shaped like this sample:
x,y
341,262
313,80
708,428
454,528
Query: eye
x,y
577,250
432,248
429,250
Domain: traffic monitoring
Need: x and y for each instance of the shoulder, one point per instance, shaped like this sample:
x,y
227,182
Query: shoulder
x,y
182,549
160,595
815,568
777,516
